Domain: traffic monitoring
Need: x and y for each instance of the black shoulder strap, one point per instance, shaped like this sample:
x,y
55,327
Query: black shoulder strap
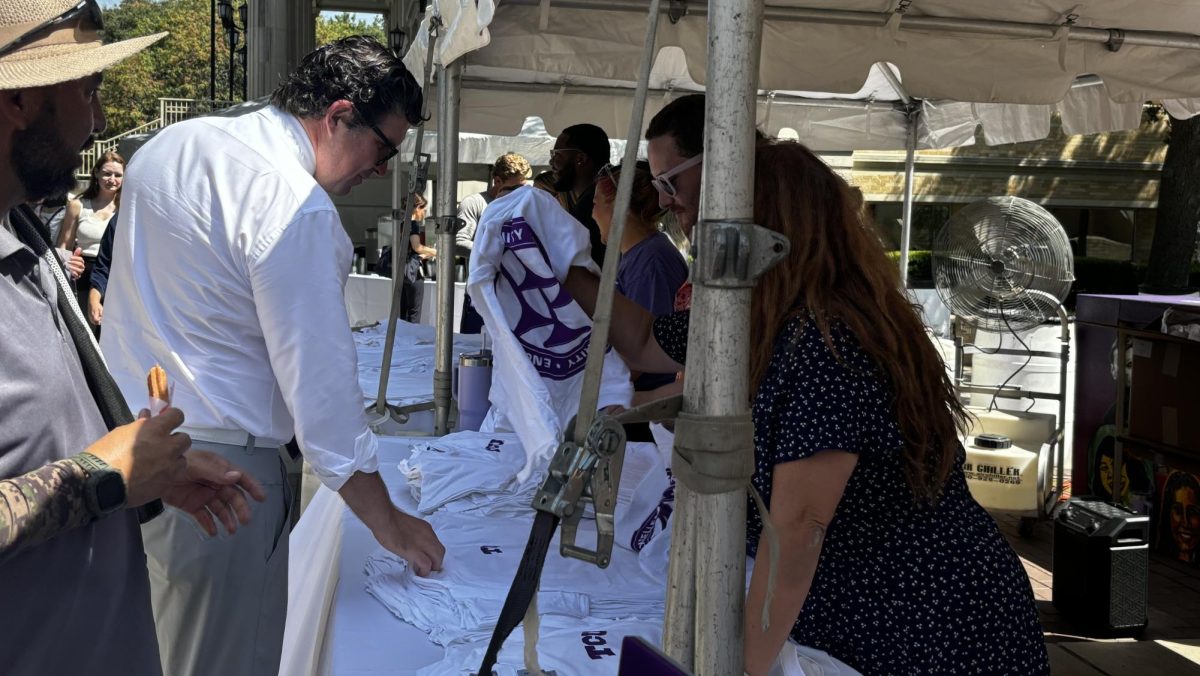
x,y
33,233
30,230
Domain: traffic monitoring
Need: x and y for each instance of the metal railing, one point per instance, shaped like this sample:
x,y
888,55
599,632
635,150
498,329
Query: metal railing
x,y
170,111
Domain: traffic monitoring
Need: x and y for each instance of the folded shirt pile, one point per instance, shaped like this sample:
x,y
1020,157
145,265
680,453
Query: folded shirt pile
x,y
468,471
462,601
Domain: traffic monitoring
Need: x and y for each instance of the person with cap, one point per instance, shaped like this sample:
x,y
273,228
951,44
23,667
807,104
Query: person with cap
x,y
229,268
579,153
73,576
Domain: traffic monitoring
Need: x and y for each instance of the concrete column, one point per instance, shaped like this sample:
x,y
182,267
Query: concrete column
x,y
279,34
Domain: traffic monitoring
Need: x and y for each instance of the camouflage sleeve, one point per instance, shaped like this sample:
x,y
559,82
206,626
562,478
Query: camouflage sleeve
x,y
40,505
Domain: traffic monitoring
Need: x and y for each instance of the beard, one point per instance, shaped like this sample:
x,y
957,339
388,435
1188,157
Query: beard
x,y
44,164
564,180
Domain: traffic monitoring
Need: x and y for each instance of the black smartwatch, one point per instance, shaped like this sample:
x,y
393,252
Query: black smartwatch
x,y
104,492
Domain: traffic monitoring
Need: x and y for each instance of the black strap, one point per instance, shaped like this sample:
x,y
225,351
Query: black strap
x,y
524,586
33,233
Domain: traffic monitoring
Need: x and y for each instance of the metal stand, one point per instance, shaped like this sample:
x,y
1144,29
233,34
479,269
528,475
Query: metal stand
x,y
1048,499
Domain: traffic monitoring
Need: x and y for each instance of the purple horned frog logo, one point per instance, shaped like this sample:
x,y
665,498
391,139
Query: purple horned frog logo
x,y
556,350
657,520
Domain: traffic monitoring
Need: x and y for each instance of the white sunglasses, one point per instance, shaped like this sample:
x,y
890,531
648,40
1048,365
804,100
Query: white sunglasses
x,y
662,182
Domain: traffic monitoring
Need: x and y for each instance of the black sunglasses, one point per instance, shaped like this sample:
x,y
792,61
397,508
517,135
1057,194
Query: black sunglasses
x,y
90,6
392,148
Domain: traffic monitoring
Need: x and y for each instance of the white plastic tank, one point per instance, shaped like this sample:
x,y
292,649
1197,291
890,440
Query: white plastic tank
x,y
1002,459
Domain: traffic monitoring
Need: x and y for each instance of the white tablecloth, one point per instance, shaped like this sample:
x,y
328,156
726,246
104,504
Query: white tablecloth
x,y
368,299
429,300
327,597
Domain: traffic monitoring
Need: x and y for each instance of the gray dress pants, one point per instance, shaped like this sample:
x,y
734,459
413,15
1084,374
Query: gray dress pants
x,y
220,602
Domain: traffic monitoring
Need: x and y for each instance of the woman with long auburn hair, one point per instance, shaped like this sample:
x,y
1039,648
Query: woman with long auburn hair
x,y
885,560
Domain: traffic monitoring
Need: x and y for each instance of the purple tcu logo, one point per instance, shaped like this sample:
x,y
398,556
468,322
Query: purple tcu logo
x,y
487,549
657,520
494,445
561,351
593,642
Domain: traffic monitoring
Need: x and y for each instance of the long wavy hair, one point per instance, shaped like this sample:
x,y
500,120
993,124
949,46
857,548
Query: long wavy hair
x,y
837,271
93,188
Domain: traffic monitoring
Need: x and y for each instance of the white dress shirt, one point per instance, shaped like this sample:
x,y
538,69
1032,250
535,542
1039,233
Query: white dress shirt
x,y
229,265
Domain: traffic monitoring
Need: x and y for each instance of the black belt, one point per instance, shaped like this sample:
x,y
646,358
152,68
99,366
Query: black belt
x,y
524,586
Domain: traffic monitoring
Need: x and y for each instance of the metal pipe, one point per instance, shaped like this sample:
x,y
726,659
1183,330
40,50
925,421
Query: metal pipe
x,y
894,81
718,382
1115,37
910,163
608,90
449,83
589,395
212,51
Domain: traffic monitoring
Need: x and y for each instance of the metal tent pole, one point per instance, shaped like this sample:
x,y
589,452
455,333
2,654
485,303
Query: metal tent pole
x,y
449,85
717,389
910,163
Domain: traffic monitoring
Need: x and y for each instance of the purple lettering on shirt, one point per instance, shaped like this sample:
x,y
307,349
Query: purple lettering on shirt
x,y
537,291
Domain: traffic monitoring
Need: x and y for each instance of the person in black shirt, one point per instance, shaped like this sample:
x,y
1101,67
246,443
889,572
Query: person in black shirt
x,y
410,290
578,154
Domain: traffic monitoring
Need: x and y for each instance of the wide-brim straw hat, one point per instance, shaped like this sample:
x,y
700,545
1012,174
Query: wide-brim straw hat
x,y
70,52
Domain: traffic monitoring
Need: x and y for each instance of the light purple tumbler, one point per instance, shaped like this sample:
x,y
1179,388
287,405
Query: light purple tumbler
x,y
472,383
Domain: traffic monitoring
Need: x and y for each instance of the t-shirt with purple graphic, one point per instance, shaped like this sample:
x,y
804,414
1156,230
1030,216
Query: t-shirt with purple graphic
x,y
524,245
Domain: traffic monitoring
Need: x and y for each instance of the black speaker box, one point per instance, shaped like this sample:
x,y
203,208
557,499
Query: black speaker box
x,y
1102,566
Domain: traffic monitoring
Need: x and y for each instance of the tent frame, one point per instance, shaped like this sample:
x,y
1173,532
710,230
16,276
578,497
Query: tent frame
x,y
704,624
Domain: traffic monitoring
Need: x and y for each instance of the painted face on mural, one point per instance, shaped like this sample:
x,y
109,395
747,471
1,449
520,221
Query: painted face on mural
x,y
1185,521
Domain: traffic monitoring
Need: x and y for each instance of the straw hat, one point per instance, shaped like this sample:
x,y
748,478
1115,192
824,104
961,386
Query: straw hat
x,y
61,54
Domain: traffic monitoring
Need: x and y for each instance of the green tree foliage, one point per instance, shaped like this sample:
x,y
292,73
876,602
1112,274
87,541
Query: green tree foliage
x,y
331,27
175,67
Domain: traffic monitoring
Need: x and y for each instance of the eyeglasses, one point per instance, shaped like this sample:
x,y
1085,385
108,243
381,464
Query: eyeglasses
x,y
89,6
392,149
559,152
663,183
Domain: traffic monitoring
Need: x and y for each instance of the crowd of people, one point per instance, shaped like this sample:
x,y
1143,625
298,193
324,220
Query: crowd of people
x,y
225,264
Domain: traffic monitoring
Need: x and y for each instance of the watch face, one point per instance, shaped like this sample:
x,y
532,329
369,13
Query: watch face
x,y
110,492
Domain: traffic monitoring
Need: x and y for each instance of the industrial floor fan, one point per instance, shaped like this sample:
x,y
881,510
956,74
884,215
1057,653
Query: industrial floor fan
x,y
1004,265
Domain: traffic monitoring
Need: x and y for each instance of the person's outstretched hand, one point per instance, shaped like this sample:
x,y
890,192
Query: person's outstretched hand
x,y
213,486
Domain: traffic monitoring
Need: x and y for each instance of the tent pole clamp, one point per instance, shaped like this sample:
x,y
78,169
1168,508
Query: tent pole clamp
x,y
579,475
677,10
742,252
448,224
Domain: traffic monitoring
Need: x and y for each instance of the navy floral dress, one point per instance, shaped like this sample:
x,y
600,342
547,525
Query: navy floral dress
x,y
900,588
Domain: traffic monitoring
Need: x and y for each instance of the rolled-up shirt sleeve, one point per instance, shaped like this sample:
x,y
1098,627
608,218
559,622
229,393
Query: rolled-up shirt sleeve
x,y
298,274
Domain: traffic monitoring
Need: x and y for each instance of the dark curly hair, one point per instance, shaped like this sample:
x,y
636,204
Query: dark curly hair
x,y
358,69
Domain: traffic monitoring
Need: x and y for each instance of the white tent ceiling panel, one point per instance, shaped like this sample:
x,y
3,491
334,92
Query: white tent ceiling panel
x,y
1087,110
578,66
830,55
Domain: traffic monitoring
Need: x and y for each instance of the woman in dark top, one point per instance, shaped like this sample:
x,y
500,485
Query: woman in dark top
x,y
886,562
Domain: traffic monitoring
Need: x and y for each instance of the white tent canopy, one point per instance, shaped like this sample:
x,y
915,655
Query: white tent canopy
x,y
532,142
517,64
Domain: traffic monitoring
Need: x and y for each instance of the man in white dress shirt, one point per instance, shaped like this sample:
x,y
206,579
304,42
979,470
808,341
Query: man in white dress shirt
x,y
228,269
